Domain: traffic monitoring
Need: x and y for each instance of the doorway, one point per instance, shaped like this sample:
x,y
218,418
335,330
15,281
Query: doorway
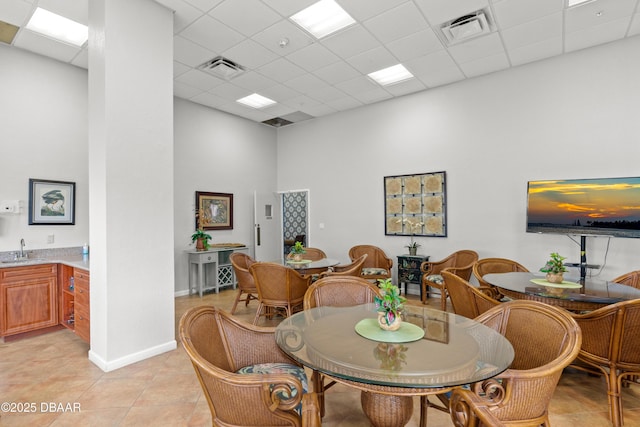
x,y
295,218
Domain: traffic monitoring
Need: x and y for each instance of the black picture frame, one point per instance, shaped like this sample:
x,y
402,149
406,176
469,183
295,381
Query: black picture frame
x,y
52,202
214,211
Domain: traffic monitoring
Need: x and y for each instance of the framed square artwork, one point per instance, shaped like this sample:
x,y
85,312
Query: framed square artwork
x,y
214,211
52,202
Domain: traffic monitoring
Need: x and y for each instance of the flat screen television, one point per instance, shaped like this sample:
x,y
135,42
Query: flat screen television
x,y
591,207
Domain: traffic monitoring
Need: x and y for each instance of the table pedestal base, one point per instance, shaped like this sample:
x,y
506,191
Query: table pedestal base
x,y
385,410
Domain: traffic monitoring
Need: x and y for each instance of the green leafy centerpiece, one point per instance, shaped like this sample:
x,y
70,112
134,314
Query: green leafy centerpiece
x,y
555,268
389,305
296,252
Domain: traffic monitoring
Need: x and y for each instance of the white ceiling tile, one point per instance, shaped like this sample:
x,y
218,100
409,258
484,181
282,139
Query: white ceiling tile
x,y
288,7
312,57
306,83
238,109
405,87
536,31
42,45
179,68
477,48
182,90
212,34
351,41
327,93
249,54
277,110
435,69
396,23
279,93
441,11
372,60
597,13
300,102
15,12
357,85
536,51
372,96
318,110
184,15
253,81
509,13
336,72
231,92
271,37
247,16
281,70
209,99
204,5
365,9
605,33
199,79
345,103
416,45
485,65
190,53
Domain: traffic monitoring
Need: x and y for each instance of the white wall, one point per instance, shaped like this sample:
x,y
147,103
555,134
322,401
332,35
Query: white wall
x,y
569,117
43,123
220,153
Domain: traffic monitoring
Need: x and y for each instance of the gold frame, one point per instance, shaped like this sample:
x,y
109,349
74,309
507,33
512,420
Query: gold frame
x,y
415,205
214,211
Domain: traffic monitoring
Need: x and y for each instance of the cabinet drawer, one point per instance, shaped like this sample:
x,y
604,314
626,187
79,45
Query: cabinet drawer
x,y
82,324
19,273
81,275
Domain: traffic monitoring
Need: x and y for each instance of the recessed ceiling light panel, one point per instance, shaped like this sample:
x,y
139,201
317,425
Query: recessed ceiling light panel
x,y
323,18
256,101
391,75
58,27
572,3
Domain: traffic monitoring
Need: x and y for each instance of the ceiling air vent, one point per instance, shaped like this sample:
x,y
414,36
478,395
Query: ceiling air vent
x,y
222,67
467,27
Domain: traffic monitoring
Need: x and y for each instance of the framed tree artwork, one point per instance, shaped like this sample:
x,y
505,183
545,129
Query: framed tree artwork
x,y
214,211
416,205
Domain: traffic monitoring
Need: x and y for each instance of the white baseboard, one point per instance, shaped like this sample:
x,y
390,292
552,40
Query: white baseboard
x,y
131,358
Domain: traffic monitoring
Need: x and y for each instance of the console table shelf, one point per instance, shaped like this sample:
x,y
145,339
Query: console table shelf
x,y
216,258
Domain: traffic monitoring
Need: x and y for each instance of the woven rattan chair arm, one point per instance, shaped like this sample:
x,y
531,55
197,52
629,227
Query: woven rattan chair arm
x,y
468,409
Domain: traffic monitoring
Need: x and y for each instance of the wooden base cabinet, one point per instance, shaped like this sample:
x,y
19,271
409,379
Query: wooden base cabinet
x,y
28,298
74,300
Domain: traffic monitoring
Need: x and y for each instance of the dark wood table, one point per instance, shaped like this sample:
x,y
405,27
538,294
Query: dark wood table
x,y
454,351
592,295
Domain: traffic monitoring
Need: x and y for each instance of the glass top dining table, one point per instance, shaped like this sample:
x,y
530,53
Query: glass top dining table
x,y
311,267
591,295
453,350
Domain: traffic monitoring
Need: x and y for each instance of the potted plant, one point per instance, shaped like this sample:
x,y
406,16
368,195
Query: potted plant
x,y
296,251
555,268
413,247
389,305
202,240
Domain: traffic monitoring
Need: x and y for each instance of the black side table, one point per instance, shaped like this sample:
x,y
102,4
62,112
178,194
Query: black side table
x,y
409,271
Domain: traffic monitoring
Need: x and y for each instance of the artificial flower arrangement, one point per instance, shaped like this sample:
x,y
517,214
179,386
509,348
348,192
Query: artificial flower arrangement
x,y
390,303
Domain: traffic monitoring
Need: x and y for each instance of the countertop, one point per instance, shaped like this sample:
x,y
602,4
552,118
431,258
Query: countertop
x,y
76,261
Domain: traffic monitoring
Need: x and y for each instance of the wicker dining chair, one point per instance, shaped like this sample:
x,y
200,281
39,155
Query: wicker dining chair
x,y
336,291
376,266
630,279
466,299
313,254
545,340
280,289
246,286
352,269
495,265
460,263
221,347
611,347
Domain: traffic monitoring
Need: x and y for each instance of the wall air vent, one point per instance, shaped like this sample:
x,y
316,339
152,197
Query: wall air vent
x,y
287,119
222,68
467,27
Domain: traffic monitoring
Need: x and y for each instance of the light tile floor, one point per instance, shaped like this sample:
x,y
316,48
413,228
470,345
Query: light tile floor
x,y
52,372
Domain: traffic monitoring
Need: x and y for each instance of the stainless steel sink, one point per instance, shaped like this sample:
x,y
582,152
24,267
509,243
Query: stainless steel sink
x,y
22,261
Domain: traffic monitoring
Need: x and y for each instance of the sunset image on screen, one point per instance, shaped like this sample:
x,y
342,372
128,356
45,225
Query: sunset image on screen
x,y
598,206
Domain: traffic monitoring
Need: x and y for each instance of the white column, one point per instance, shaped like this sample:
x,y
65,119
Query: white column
x,y
130,181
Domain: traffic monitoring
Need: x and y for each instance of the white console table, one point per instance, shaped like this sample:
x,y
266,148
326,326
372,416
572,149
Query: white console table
x,y
218,260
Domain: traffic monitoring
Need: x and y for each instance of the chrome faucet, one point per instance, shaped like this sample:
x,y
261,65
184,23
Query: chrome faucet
x,y
21,248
